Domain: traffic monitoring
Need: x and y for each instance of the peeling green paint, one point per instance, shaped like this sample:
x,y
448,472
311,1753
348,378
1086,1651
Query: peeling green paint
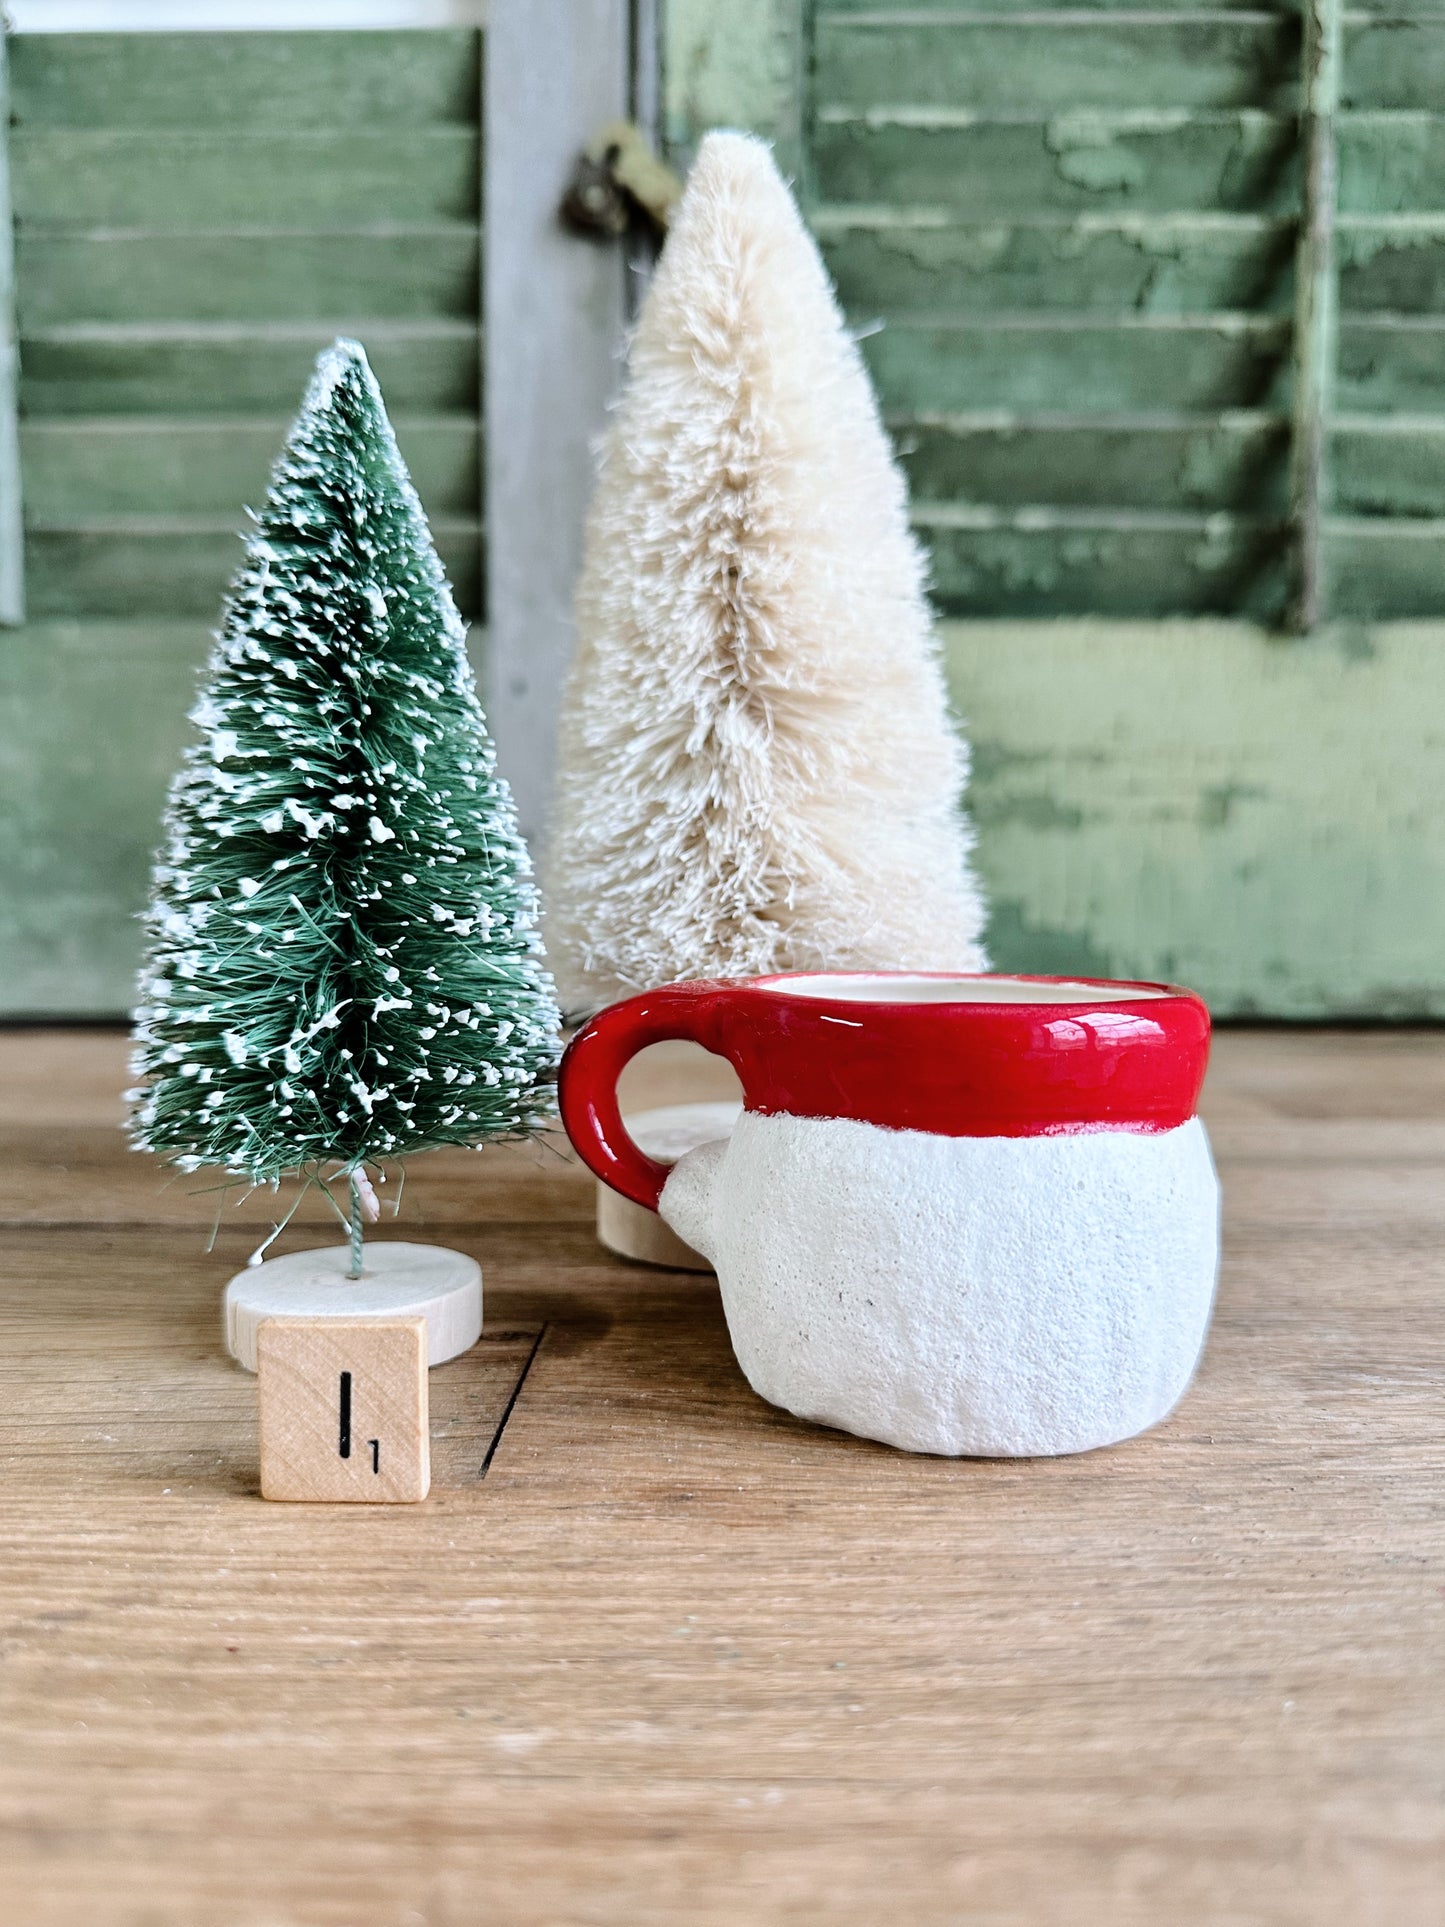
x,y
1082,226
736,66
1151,264
1015,942
1088,155
970,162
1217,804
1252,816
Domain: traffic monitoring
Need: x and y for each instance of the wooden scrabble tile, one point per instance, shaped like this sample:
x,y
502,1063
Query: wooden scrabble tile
x,y
344,1409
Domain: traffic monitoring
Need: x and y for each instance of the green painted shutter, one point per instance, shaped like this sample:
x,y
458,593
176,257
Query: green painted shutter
x,y
1074,231
1067,238
1077,231
197,214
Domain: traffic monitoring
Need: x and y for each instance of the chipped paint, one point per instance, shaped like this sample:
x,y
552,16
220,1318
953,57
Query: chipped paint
x,y
1245,814
1016,942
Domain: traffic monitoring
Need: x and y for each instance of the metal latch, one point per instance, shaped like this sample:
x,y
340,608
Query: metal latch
x,y
618,176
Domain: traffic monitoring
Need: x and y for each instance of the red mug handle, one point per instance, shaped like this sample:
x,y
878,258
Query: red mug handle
x,y
596,1058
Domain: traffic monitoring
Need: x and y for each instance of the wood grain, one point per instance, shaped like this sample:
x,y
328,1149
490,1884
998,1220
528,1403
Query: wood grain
x,y
679,1657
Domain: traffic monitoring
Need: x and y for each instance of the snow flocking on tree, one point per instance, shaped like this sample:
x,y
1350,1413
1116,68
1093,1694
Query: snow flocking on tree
x,y
343,963
757,769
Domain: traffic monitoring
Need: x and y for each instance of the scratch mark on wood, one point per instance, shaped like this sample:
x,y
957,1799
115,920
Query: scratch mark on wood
x,y
511,1404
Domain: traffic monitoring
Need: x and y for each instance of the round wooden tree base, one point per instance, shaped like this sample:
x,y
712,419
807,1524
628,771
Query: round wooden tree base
x,y
631,1230
399,1281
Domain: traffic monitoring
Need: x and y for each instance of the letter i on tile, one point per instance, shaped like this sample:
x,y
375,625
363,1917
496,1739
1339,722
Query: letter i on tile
x,y
344,1409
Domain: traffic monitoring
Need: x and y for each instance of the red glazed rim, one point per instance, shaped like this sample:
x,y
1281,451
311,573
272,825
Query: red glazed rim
x,y
1127,990
1131,1057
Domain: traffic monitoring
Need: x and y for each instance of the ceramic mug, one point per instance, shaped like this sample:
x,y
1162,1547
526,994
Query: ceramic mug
x,y
959,1214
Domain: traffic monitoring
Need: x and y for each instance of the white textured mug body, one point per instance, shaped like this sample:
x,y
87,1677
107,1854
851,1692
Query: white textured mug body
x,y
959,1214
990,1296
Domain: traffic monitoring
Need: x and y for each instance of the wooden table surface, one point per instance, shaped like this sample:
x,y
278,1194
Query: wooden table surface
x,y
676,1657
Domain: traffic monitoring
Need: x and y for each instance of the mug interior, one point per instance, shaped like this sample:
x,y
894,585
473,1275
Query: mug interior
x,y
905,989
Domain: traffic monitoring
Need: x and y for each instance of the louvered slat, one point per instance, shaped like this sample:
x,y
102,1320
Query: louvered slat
x,y
1098,364
1381,464
893,261
1125,563
900,262
245,80
954,57
987,162
200,368
406,272
1178,462
119,566
197,181
87,465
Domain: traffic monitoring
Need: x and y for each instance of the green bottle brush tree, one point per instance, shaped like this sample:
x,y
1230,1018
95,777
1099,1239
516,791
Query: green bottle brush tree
x,y
344,964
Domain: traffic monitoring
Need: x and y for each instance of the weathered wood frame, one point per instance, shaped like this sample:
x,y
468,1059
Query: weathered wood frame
x,y
1315,303
554,313
12,553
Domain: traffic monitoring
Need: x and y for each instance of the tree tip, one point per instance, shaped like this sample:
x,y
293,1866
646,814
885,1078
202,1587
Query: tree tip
x,y
343,364
727,159
343,353
736,177
729,147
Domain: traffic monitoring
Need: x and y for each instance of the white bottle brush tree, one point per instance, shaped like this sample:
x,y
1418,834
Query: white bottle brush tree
x,y
344,964
757,767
